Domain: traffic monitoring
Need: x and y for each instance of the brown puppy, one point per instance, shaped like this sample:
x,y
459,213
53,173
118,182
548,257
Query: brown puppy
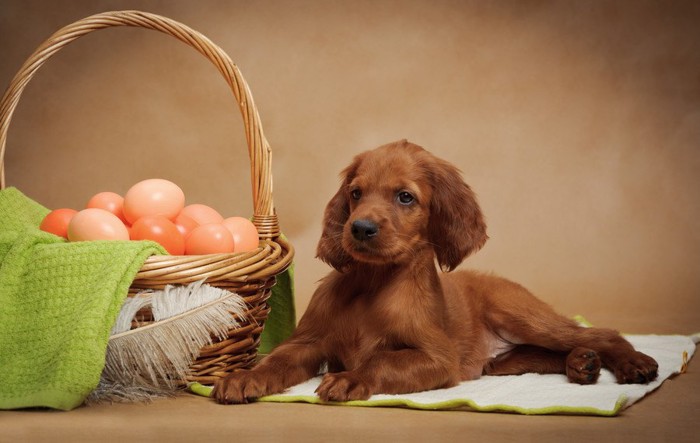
x,y
385,321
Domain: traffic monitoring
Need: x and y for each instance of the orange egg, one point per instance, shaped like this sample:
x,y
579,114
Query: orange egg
x,y
57,221
109,201
96,224
209,239
161,230
244,232
153,197
202,214
185,224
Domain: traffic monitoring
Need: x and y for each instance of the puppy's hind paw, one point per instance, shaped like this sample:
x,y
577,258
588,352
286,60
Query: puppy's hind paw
x,y
636,368
583,366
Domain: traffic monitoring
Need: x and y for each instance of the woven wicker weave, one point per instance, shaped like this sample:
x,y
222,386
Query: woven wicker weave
x,y
250,274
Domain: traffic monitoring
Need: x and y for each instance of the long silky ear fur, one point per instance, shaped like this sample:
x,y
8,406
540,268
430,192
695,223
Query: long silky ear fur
x,y
456,227
330,249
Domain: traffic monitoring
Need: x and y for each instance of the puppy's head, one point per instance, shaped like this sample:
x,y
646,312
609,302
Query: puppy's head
x,y
395,200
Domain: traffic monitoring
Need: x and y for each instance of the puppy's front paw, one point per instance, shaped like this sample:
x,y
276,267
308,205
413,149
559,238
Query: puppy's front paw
x,y
243,386
583,366
343,386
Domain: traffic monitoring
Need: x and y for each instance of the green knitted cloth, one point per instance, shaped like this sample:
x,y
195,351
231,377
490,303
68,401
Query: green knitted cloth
x,y
58,301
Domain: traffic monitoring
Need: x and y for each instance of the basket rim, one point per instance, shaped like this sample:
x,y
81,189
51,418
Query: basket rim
x,y
271,258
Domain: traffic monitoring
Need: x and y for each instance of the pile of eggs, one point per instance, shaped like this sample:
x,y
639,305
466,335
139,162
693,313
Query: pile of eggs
x,y
154,209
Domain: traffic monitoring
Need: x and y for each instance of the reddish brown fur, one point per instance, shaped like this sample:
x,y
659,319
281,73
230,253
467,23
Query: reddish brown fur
x,y
385,321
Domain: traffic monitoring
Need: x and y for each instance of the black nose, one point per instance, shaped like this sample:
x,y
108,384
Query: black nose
x,y
364,229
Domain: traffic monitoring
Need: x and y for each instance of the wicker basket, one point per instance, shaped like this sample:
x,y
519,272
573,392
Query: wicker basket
x,y
250,274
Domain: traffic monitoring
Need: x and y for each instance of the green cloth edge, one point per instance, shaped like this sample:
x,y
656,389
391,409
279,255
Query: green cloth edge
x,y
457,403
205,391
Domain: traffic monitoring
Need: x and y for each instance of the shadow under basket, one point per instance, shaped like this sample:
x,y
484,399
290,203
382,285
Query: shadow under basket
x,y
250,274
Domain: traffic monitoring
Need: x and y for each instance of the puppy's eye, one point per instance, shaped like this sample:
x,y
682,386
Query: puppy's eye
x,y
405,198
356,194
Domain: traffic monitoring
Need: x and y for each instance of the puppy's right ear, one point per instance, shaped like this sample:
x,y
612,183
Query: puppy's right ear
x,y
330,246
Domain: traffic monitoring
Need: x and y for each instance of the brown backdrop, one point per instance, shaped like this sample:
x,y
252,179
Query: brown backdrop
x,y
577,123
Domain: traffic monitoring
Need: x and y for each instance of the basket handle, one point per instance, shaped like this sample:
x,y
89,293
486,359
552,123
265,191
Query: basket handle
x,y
258,149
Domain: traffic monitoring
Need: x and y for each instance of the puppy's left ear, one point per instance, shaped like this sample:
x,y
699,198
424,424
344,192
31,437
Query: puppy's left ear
x,y
456,226
330,248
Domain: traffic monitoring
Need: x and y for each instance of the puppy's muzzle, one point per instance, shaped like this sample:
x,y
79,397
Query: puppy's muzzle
x,y
364,230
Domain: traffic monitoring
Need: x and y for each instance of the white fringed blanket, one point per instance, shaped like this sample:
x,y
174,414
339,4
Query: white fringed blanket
x,y
529,393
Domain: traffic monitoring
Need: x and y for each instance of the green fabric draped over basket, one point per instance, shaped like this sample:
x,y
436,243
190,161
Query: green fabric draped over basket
x,y
281,320
58,301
